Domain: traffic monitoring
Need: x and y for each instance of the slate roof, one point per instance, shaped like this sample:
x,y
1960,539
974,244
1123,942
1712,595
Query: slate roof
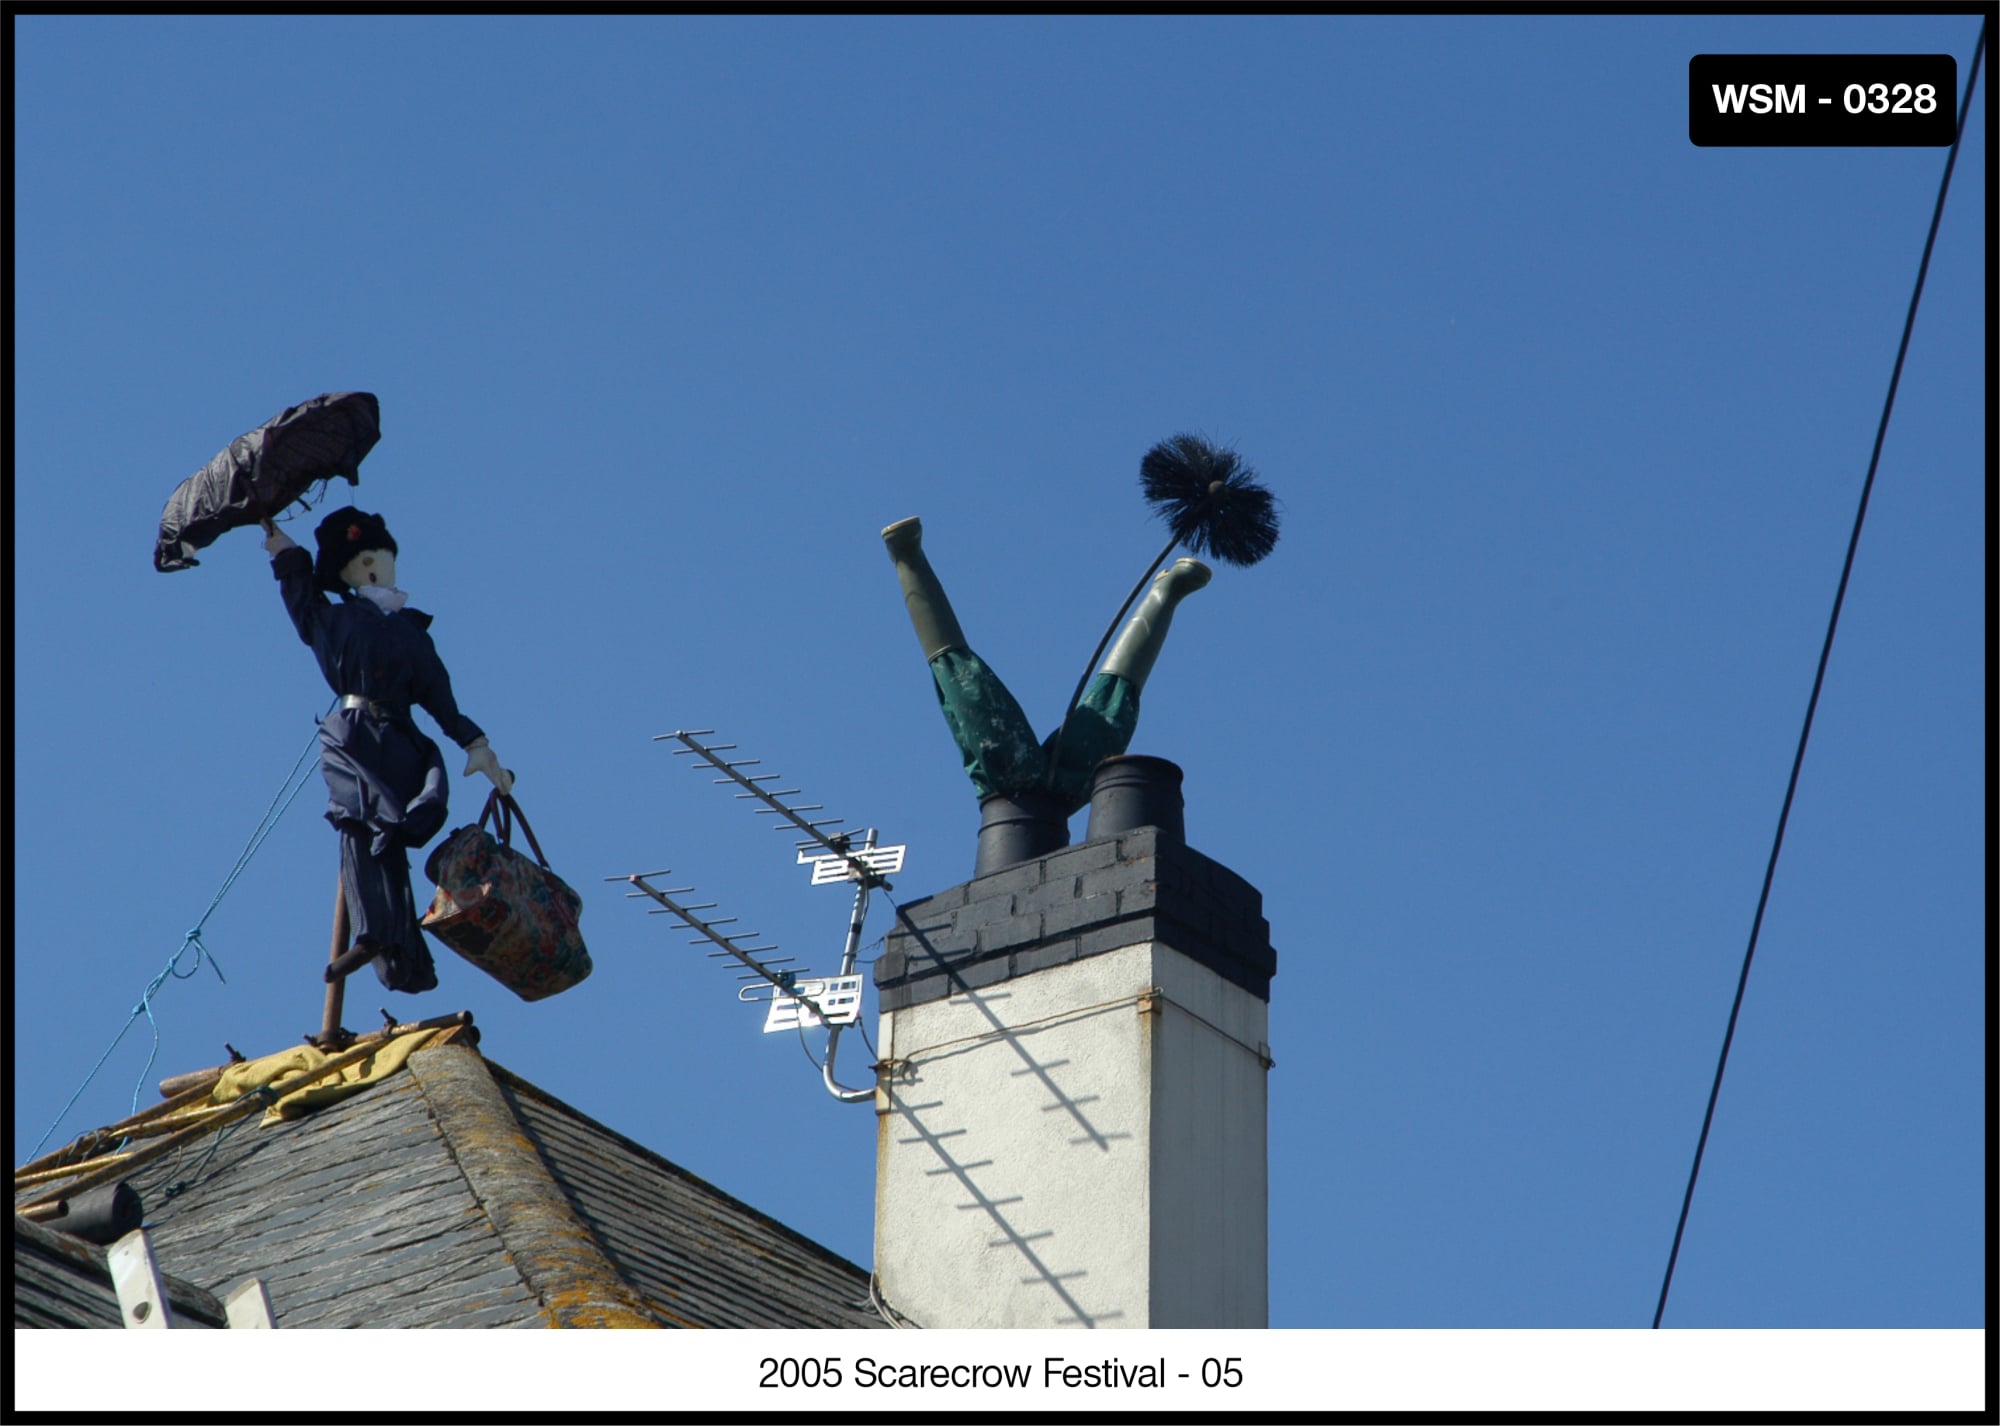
x,y
723,1265
61,1281
456,1194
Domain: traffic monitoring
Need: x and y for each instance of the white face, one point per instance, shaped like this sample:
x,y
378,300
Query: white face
x,y
370,567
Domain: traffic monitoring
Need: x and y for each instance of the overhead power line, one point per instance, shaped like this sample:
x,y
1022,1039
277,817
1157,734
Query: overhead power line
x,y
1819,678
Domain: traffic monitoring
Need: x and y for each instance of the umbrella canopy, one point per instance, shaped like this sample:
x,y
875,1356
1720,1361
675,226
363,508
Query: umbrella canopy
x,y
260,473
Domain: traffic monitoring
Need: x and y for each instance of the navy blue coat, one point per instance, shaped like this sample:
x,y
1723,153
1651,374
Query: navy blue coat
x,y
382,772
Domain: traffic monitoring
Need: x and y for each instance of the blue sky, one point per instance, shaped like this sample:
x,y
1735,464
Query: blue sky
x,y
669,315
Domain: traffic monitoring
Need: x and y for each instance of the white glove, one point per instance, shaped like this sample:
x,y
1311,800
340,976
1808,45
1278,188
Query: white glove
x,y
276,541
481,758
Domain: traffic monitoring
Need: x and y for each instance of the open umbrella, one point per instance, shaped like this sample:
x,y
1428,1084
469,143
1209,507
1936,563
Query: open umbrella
x,y
260,473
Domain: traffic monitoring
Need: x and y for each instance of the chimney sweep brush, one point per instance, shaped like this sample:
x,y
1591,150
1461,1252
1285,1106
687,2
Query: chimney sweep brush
x,y
1212,503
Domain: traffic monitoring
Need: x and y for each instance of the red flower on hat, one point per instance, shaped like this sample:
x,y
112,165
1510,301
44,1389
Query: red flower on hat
x,y
354,534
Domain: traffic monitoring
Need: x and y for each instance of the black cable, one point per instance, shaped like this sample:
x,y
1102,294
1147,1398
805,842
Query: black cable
x,y
811,1058
861,1021
1819,678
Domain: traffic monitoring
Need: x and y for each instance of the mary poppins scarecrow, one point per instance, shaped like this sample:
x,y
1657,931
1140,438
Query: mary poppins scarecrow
x,y
386,785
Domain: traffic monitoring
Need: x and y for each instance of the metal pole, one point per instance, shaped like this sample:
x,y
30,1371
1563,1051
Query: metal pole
x,y
847,954
330,1032
833,1086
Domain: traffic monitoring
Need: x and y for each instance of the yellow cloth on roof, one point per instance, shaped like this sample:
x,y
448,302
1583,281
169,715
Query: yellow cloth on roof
x,y
298,1065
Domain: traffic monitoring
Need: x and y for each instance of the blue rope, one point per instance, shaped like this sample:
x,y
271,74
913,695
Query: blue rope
x,y
295,783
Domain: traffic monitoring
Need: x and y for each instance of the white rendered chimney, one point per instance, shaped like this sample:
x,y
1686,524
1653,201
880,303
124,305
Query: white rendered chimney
x,y
1071,1119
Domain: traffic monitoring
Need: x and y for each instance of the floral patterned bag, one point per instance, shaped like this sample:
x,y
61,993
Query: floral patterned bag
x,y
513,918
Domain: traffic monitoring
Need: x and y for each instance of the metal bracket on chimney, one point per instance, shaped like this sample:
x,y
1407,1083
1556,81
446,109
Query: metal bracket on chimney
x,y
895,1071
1153,1000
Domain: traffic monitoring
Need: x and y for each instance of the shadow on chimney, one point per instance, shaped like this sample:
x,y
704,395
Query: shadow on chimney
x,y
1021,1242
1000,1032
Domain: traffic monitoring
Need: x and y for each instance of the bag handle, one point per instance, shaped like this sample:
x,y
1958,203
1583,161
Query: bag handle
x,y
505,812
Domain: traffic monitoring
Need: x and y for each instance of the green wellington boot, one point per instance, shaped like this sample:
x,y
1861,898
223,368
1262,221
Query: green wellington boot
x,y
930,612
1139,642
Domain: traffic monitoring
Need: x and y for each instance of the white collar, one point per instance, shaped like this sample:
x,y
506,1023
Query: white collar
x,y
388,600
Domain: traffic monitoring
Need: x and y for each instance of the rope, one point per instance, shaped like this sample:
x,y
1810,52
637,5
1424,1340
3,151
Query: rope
x,y
1819,678
287,792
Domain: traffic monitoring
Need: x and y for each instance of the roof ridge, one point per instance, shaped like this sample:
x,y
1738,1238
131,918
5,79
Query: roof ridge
x,y
553,1249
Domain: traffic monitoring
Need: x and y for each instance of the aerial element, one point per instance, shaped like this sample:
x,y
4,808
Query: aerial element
x,y
797,1000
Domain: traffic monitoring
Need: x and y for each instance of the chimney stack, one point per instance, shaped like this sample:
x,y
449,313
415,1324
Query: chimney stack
x,y
1071,1112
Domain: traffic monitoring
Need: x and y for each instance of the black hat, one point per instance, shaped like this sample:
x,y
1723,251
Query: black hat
x,y
343,535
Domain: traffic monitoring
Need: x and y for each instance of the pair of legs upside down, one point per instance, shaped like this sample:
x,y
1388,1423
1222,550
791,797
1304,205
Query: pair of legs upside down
x,y
1001,752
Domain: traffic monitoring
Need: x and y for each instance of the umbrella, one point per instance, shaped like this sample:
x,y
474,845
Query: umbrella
x,y
260,473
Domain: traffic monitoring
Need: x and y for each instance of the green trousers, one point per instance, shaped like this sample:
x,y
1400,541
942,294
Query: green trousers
x,y
1002,753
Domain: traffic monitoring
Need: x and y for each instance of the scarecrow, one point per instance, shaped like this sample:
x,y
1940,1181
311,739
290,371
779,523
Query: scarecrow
x,y
1213,504
385,778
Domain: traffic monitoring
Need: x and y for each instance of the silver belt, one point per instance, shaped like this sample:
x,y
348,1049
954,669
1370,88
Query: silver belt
x,y
367,705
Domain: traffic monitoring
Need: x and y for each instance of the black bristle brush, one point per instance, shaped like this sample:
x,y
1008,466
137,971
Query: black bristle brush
x,y
1212,503
1210,499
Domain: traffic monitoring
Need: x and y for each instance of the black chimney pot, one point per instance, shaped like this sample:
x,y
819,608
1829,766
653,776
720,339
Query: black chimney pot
x,y
1136,791
1014,829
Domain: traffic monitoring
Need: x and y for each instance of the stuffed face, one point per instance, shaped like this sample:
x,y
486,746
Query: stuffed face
x,y
370,567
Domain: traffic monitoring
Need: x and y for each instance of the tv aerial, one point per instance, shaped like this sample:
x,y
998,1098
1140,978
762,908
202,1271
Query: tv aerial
x,y
796,999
